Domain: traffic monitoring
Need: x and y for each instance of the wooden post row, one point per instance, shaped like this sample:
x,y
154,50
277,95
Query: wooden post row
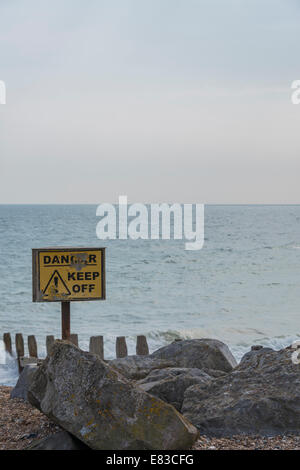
x,y
96,345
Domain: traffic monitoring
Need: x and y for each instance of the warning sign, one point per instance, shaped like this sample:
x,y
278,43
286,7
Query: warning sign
x,y
68,274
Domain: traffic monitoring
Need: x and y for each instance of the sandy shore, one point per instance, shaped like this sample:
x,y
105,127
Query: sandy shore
x,y
21,425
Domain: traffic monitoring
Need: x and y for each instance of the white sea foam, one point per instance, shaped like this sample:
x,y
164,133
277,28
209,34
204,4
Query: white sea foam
x,y
8,368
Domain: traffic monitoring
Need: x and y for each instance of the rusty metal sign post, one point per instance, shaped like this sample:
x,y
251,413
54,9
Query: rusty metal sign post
x,y
66,275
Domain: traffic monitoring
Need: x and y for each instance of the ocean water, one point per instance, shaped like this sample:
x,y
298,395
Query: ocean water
x,y
243,287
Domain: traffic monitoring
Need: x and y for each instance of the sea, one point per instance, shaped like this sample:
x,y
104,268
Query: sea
x,y
242,287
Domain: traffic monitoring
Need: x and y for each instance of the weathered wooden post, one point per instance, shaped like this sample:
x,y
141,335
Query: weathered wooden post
x,y
142,348
7,343
74,339
65,320
121,347
97,346
19,349
32,346
49,343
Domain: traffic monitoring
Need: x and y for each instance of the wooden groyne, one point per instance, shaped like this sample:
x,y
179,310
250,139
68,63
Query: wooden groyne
x,y
96,346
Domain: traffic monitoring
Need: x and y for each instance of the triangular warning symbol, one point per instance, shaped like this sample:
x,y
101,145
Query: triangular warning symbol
x,y
56,286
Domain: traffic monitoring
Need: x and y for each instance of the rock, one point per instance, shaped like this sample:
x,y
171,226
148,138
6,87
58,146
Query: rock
x,y
204,354
171,372
199,354
138,367
260,397
59,441
21,388
95,403
213,372
255,357
170,384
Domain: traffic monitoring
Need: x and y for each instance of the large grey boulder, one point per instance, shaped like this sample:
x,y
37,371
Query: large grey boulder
x,y
21,388
210,355
170,384
95,403
261,396
198,353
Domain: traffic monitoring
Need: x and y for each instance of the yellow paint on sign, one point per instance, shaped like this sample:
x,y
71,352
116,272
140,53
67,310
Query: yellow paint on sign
x,y
66,275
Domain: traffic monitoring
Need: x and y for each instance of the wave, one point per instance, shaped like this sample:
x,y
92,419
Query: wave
x,y
239,341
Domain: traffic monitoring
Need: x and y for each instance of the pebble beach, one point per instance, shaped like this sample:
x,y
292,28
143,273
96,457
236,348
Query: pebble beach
x,y
21,424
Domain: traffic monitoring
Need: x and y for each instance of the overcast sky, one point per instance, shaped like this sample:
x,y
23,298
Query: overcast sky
x,y
161,100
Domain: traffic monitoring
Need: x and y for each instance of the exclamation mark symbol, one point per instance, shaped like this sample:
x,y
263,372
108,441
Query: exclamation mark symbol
x,y
56,283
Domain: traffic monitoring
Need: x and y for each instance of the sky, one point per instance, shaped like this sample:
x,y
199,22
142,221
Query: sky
x,y
160,100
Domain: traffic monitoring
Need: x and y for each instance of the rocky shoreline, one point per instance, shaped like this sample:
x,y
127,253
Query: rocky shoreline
x,y
189,394
22,425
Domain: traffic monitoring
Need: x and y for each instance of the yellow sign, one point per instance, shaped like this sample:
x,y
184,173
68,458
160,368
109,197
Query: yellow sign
x,y
68,274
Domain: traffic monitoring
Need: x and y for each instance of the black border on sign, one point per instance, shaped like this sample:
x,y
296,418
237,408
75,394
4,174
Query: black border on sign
x,y
36,273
